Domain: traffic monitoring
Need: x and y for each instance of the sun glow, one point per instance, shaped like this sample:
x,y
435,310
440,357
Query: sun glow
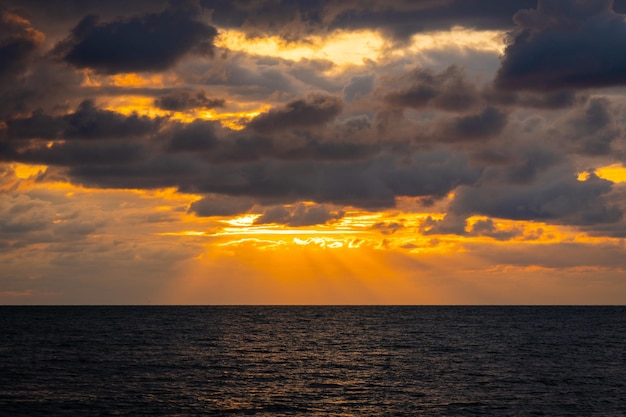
x,y
341,47
24,171
144,106
615,173
344,48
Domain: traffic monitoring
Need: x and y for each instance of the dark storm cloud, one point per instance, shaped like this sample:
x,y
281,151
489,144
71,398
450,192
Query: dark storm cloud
x,y
543,100
528,164
557,197
44,12
450,90
299,215
402,18
565,44
193,137
18,43
26,78
40,84
245,75
399,18
88,136
186,100
593,129
370,183
484,125
314,110
447,90
350,139
79,153
150,42
220,205
87,122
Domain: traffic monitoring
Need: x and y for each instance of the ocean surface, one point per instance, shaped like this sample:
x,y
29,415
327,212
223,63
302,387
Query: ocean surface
x,y
312,361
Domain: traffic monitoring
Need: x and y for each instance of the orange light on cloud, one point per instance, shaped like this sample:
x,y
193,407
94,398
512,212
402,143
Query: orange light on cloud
x,y
346,48
615,173
24,171
144,106
342,48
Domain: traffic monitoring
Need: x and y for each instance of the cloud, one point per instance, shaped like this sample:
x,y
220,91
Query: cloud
x,y
245,75
484,125
299,215
450,225
360,86
18,43
593,129
26,220
196,136
401,18
369,183
28,79
542,100
117,153
221,205
185,100
557,196
314,110
150,42
447,90
87,123
387,228
565,44
487,227
398,18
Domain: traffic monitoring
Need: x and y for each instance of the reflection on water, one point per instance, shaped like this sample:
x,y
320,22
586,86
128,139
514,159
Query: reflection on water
x,y
312,361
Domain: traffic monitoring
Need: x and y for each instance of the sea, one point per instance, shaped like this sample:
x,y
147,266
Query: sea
x,y
312,361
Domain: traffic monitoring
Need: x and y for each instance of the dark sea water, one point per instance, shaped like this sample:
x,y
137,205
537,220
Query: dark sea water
x,y
312,361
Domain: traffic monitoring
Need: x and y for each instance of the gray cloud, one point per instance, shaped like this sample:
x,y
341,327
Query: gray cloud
x,y
221,205
150,42
398,18
488,228
447,90
18,43
27,220
79,153
557,197
593,129
314,110
370,183
87,122
359,87
185,100
565,44
299,215
196,136
450,90
484,125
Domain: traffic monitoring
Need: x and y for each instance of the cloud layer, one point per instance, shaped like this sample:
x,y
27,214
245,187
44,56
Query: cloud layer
x,y
428,143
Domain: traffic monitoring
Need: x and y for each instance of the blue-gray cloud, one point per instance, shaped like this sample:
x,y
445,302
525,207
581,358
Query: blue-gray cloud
x,y
565,44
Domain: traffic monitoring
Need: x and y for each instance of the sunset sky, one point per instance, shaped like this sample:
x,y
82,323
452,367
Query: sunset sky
x,y
312,152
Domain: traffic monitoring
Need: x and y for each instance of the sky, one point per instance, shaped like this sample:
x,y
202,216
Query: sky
x,y
312,152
